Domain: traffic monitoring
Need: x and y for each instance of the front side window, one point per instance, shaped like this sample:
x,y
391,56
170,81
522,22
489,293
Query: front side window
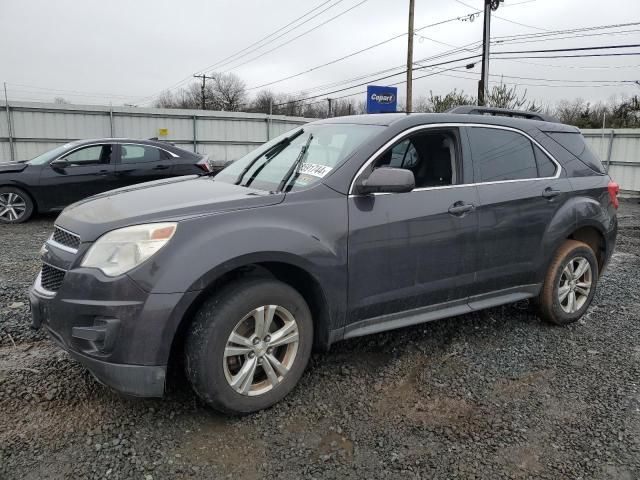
x,y
501,155
140,154
312,151
93,155
430,155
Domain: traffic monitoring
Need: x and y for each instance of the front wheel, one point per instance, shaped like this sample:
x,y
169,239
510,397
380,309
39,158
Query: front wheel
x,y
570,284
15,205
249,345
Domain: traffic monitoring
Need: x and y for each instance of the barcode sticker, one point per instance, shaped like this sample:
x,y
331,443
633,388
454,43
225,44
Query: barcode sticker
x,y
314,170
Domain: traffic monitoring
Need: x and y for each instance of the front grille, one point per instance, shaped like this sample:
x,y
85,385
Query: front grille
x,y
65,238
51,278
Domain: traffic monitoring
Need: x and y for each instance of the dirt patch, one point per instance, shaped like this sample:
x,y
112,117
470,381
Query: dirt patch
x,y
334,444
221,443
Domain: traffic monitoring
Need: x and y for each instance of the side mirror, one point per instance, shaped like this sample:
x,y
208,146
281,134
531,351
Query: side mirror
x,y
388,180
60,164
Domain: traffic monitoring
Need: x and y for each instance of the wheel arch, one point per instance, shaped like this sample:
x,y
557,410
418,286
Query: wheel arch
x,y
289,271
23,188
581,218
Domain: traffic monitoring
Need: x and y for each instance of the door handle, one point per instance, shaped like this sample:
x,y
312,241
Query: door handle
x,y
460,208
161,167
103,173
550,193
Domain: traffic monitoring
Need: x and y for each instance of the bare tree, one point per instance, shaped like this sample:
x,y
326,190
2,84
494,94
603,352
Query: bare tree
x,y
442,103
263,102
229,92
61,101
503,96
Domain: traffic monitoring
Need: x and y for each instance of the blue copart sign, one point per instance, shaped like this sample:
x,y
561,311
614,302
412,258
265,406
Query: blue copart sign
x,y
381,99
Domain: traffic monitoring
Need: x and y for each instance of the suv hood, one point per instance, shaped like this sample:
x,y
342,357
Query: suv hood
x,y
12,167
175,199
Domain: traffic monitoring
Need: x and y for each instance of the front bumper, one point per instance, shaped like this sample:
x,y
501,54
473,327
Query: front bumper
x,y
119,332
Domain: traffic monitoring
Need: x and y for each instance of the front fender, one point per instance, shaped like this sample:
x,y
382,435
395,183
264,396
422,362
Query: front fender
x,y
308,234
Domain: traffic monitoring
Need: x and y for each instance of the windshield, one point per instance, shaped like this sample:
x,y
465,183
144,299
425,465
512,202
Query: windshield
x,y
46,157
297,159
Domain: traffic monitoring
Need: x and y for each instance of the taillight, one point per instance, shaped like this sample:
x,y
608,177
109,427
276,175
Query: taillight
x,y
614,189
204,165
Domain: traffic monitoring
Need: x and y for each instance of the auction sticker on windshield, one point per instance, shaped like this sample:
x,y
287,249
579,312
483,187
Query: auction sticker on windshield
x,y
314,170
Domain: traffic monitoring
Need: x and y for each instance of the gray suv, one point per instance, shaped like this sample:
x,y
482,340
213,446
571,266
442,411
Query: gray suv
x,y
340,228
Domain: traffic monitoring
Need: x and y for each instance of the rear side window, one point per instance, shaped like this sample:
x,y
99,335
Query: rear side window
x,y
546,168
141,153
501,155
575,144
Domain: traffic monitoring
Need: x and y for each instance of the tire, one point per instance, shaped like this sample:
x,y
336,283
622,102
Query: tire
x,y
19,203
234,310
555,299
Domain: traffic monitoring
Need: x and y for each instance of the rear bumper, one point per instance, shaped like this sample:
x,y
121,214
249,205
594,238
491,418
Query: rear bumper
x,y
610,242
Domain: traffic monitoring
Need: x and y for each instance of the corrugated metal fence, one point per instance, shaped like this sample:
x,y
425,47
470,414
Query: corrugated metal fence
x,y
28,129
619,150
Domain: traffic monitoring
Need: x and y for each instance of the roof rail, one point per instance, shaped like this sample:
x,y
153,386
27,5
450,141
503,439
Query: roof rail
x,y
502,112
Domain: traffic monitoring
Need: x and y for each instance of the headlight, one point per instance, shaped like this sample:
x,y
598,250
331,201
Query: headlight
x,y
121,250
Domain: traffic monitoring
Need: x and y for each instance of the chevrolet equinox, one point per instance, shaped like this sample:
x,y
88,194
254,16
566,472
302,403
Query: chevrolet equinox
x,y
339,228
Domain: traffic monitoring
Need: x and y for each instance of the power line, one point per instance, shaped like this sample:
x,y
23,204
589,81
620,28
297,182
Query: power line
x,y
570,30
574,49
471,58
457,49
298,36
274,39
498,40
580,67
457,18
180,82
273,33
357,52
504,19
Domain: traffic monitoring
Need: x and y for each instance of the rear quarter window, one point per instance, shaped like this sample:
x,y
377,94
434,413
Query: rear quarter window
x,y
574,143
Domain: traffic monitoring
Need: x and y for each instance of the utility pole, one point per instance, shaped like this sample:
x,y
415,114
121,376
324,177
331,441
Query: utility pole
x,y
409,106
9,124
483,84
329,101
204,79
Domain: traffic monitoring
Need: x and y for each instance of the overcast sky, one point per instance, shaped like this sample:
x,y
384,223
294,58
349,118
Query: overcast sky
x,y
124,51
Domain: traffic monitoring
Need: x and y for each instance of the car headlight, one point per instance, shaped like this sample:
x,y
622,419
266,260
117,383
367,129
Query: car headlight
x,y
119,251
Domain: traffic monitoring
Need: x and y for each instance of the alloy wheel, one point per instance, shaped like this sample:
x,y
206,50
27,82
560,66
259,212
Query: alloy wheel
x,y
261,350
575,284
12,206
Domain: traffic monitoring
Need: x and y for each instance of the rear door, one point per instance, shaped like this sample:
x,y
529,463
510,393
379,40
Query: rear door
x,y
520,188
142,163
81,173
416,249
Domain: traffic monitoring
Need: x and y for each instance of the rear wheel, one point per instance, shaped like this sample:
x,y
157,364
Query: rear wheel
x,y
15,205
570,284
249,345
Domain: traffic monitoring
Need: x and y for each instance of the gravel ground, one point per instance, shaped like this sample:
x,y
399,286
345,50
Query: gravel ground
x,y
496,394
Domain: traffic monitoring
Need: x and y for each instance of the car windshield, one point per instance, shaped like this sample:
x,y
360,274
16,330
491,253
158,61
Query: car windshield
x,y
46,157
297,159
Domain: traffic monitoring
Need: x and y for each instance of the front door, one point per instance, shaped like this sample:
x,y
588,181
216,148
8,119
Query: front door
x,y
79,174
520,189
415,249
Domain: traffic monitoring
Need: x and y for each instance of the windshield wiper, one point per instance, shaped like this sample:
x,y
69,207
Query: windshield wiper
x,y
296,164
273,152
